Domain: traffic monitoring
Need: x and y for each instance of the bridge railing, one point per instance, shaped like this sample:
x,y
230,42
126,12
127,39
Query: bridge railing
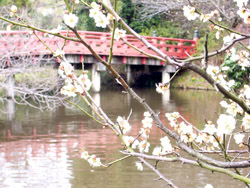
x,y
21,42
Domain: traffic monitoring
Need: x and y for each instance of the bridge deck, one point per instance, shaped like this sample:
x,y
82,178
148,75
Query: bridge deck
x,y
22,43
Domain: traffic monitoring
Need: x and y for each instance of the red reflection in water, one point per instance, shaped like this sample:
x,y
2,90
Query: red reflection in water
x,y
40,144
93,139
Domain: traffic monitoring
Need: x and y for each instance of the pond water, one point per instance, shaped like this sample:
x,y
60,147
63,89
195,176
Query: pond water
x,y
42,149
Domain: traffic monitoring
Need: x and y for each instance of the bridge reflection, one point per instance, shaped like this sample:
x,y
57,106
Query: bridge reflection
x,y
70,132
66,131
97,139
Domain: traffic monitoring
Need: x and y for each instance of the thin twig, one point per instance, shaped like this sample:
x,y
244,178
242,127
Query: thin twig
x,y
161,176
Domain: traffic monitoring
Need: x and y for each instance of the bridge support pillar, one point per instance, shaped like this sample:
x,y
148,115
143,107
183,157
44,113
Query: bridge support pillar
x,y
166,99
130,79
165,76
10,108
10,82
97,98
96,78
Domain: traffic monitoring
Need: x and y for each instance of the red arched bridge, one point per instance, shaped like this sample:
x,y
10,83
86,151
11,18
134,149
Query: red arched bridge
x,y
20,43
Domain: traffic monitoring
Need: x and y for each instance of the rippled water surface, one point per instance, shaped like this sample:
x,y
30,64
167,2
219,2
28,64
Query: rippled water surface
x,y
42,149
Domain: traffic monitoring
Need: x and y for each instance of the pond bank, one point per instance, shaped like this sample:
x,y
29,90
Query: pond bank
x,y
189,80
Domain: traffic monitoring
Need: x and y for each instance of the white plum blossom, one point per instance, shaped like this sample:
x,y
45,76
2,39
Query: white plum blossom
x,y
94,5
189,13
144,146
145,132
72,87
68,90
243,60
221,79
213,71
85,155
234,109
204,138
164,141
210,129
200,138
147,125
166,145
86,81
185,128
13,8
139,166
242,12
226,124
172,116
70,20
241,3
231,83
93,13
102,21
78,89
9,27
130,141
214,13
225,68
119,33
205,17
110,17
157,151
185,131
190,137
214,142
94,161
146,114
208,186
246,122
247,91
174,124
162,88
239,138
147,122
65,69
124,124
217,35
224,104
228,39
247,18
59,53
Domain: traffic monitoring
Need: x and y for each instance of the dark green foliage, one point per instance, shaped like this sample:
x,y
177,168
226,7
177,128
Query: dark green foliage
x,y
164,28
18,3
128,11
130,15
236,72
212,43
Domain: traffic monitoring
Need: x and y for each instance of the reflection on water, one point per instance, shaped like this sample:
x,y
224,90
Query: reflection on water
x,y
42,149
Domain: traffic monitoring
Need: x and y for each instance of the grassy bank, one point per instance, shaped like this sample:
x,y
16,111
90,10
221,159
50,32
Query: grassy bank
x,y
190,80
